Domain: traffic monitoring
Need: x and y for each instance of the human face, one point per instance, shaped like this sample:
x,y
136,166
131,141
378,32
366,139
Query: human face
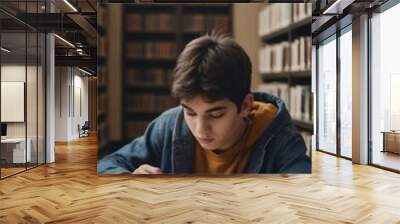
x,y
215,125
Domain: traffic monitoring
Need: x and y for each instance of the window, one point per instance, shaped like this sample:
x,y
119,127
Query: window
x,y
346,92
327,95
385,88
22,77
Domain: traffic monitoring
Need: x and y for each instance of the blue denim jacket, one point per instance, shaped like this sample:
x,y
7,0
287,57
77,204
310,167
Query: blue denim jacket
x,y
168,143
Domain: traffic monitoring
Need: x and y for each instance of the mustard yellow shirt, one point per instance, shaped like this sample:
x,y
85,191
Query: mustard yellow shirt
x,y
234,160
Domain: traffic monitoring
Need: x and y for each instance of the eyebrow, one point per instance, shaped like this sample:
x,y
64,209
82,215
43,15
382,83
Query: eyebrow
x,y
208,111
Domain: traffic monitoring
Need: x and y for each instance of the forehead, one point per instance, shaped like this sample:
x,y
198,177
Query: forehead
x,y
201,103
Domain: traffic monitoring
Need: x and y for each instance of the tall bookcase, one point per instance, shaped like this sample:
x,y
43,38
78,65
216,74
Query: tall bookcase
x,y
154,35
285,60
102,79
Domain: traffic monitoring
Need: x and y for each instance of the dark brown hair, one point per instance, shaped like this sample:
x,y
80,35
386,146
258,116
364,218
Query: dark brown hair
x,y
213,66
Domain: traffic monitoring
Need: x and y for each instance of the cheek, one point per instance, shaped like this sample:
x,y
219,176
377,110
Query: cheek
x,y
215,127
223,127
190,122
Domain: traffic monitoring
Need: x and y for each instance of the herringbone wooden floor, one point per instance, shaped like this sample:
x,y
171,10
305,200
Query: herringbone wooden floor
x,y
70,191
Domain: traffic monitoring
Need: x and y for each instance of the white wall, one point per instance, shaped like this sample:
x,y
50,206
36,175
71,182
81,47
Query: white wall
x,y
82,82
80,94
13,73
12,101
71,87
33,126
61,103
16,73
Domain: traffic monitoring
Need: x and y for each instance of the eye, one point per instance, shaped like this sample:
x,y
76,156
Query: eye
x,y
216,115
191,114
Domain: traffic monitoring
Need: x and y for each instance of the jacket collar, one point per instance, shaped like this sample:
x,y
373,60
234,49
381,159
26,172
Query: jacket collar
x,y
184,143
183,146
260,148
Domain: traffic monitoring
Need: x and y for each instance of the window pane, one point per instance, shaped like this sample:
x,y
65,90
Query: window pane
x,y
385,84
14,150
345,94
327,96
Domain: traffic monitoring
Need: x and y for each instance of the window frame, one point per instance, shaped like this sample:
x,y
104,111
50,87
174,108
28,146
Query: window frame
x,y
333,37
378,10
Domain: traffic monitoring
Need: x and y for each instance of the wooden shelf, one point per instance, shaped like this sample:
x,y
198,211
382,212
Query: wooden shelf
x,y
302,23
151,8
268,77
301,74
283,33
304,125
277,35
150,62
150,35
148,89
284,76
193,34
209,8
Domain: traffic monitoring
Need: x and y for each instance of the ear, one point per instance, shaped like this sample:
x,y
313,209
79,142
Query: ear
x,y
246,105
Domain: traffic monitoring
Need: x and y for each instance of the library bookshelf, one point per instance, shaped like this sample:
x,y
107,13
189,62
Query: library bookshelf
x,y
154,35
285,60
102,81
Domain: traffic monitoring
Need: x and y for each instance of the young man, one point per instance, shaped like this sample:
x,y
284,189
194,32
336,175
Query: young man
x,y
220,126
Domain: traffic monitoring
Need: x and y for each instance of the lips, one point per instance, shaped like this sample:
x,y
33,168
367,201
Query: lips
x,y
205,140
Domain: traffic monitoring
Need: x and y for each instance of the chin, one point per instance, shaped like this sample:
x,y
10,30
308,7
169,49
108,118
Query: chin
x,y
208,146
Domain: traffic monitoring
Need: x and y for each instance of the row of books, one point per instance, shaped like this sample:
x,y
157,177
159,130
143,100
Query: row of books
x,y
300,106
149,102
102,19
298,98
149,77
151,49
165,22
278,89
301,11
285,56
102,125
275,17
301,54
161,22
203,23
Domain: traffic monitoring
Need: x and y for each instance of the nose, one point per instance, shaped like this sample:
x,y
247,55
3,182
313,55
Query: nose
x,y
203,128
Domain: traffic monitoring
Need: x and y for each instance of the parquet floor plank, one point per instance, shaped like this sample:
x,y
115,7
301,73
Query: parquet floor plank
x,y
70,191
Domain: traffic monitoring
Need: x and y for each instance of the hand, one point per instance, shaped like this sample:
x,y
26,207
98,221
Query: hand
x,y
147,169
